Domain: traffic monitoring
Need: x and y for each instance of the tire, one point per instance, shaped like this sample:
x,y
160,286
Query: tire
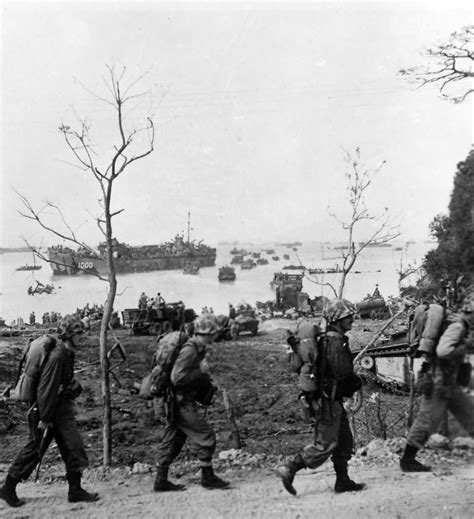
x,y
367,362
155,329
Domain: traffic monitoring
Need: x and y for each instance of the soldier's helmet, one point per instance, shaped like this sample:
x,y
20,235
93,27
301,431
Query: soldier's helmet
x,y
70,325
468,306
206,324
338,309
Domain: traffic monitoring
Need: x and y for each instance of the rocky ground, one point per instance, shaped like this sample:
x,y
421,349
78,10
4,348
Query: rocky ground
x,y
253,370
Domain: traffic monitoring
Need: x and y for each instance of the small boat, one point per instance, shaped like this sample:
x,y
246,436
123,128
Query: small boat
x,y
286,256
226,273
270,251
237,259
241,252
262,261
29,267
315,270
276,258
191,269
248,264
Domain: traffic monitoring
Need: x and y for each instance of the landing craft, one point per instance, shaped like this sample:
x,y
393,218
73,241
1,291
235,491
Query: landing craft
x,y
174,255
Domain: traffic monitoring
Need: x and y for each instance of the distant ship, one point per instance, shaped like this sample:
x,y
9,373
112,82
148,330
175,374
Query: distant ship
x,y
381,244
175,255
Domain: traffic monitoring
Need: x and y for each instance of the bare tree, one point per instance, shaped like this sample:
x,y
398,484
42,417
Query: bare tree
x,y
126,150
359,178
449,67
404,269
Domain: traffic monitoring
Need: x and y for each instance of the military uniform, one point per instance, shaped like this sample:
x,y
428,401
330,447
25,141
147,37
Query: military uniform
x,y
190,384
48,384
54,404
443,393
332,434
187,421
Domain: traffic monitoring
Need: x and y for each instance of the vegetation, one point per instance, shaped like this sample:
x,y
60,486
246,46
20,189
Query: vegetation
x,y
451,264
449,66
380,228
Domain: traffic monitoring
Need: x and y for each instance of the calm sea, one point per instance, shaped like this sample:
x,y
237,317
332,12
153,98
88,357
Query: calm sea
x,y
377,266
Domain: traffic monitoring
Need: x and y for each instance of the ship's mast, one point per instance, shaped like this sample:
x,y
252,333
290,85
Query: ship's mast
x,y
189,225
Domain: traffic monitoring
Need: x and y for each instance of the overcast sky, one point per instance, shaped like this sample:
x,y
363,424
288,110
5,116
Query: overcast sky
x,y
253,106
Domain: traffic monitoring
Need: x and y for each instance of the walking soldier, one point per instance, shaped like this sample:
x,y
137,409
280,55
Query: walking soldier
x,y
191,386
48,385
336,380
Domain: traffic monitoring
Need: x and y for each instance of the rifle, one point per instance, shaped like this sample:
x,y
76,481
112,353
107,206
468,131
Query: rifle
x,y
42,448
320,367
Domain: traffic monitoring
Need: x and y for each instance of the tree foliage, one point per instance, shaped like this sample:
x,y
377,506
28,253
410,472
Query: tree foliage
x,y
449,66
453,258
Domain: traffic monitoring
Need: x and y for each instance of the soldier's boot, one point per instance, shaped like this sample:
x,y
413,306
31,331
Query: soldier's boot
x,y
76,493
161,481
287,473
343,482
210,480
8,492
408,463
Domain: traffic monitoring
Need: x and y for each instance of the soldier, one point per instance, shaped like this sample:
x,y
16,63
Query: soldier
x,y
190,379
49,365
332,434
142,302
440,383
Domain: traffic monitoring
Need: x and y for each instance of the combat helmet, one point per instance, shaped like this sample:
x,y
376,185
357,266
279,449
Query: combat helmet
x,y
206,325
70,325
338,309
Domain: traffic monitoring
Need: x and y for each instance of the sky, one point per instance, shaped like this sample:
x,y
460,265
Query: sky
x,y
254,105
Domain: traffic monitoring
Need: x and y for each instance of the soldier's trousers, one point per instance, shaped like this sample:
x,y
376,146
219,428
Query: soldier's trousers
x,y
332,437
68,439
187,423
432,411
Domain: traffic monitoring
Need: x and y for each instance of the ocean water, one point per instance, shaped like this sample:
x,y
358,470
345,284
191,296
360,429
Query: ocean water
x,y
376,266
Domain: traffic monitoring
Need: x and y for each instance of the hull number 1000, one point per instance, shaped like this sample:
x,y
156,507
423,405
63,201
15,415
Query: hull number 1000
x,y
86,265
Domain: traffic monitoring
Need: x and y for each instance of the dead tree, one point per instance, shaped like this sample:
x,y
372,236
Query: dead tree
x,y
405,270
359,178
127,150
449,66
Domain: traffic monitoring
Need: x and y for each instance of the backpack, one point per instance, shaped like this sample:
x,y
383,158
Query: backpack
x,y
304,354
30,368
427,325
158,381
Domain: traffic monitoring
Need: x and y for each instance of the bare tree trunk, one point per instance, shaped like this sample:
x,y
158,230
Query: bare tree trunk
x,y
104,358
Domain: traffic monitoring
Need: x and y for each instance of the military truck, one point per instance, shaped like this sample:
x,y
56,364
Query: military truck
x,y
156,322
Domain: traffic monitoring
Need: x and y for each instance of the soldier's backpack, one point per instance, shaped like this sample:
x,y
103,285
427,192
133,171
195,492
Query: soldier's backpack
x,y
157,383
304,354
426,327
34,357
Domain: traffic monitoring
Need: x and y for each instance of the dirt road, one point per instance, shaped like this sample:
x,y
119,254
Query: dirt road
x,y
446,493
